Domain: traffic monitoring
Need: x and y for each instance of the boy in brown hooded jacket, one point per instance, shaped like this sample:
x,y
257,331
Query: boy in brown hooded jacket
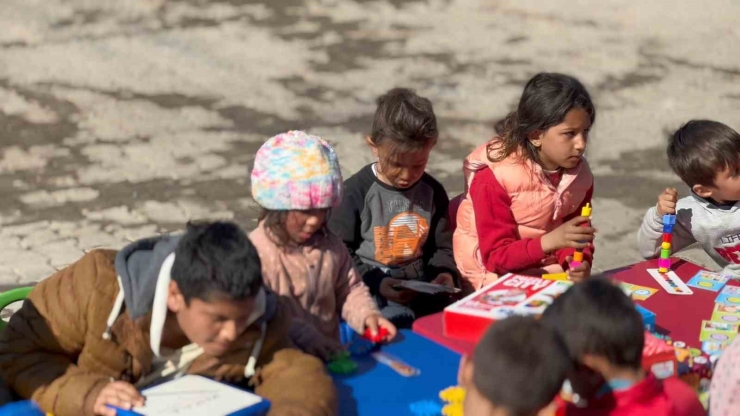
x,y
112,323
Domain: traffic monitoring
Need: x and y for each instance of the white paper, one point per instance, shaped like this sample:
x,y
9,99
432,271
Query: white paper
x,y
195,396
670,281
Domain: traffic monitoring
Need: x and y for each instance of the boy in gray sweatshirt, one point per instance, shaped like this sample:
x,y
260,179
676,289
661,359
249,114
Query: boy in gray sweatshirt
x,y
706,156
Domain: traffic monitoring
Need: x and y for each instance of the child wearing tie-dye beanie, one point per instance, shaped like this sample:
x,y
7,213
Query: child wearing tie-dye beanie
x,y
296,179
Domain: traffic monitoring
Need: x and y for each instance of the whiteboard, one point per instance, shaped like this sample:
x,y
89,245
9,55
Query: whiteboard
x,y
195,396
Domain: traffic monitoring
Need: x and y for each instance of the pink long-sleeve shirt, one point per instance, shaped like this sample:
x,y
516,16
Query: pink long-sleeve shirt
x,y
317,282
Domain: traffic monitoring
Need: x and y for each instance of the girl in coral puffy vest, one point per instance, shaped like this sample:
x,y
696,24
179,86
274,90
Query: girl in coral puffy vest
x,y
525,188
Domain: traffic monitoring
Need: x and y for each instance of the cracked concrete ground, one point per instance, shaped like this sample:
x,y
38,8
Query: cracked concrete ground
x,y
120,120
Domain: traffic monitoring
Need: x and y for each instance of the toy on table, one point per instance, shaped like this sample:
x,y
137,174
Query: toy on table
x,y
578,254
664,263
648,318
659,357
454,396
342,364
555,276
378,338
512,294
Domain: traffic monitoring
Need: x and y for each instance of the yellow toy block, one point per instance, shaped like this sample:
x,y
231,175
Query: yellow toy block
x,y
453,394
586,211
455,409
666,245
555,276
662,270
578,256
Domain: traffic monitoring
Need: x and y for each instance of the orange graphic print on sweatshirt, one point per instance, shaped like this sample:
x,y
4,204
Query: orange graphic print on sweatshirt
x,y
401,240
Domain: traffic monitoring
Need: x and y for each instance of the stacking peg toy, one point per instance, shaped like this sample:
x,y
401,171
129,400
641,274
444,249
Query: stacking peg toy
x,y
578,254
664,263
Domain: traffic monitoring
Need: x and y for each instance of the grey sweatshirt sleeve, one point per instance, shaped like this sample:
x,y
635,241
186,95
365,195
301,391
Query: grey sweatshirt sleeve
x,y
650,235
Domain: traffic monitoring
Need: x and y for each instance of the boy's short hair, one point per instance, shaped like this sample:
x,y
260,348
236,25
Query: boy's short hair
x,y
216,258
406,119
596,317
520,365
702,148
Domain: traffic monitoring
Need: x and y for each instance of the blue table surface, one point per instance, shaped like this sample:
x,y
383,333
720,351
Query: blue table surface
x,y
375,389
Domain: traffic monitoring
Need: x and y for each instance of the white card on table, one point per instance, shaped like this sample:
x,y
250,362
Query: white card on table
x,y
670,282
195,396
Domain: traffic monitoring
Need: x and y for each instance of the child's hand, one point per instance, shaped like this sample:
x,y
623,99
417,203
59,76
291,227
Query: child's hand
x,y
579,273
375,322
117,393
402,296
667,201
444,279
569,234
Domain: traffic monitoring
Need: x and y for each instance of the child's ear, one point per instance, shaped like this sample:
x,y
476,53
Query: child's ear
x,y
465,371
372,145
175,299
535,138
702,191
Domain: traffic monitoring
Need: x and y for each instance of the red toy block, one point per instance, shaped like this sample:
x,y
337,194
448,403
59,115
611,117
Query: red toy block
x,y
667,237
379,337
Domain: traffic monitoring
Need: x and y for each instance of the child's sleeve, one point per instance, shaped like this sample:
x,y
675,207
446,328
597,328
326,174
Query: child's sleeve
x,y
588,251
650,235
39,346
345,223
354,302
501,248
437,252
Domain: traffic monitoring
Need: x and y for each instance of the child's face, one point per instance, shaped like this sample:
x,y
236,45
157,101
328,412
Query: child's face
x,y
726,187
301,225
563,145
400,170
214,324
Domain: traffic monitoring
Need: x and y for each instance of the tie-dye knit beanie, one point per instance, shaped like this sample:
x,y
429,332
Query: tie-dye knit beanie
x,y
296,170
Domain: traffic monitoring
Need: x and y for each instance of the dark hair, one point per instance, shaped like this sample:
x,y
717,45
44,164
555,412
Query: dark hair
x,y
546,100
406,119
216,258
520,365
701,148
596,317
275,224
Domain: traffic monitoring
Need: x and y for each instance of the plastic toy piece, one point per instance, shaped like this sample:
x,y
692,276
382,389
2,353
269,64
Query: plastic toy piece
x,y
555,276
454,409
379,337
664,263
578,254
454,394
342,364
425,408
